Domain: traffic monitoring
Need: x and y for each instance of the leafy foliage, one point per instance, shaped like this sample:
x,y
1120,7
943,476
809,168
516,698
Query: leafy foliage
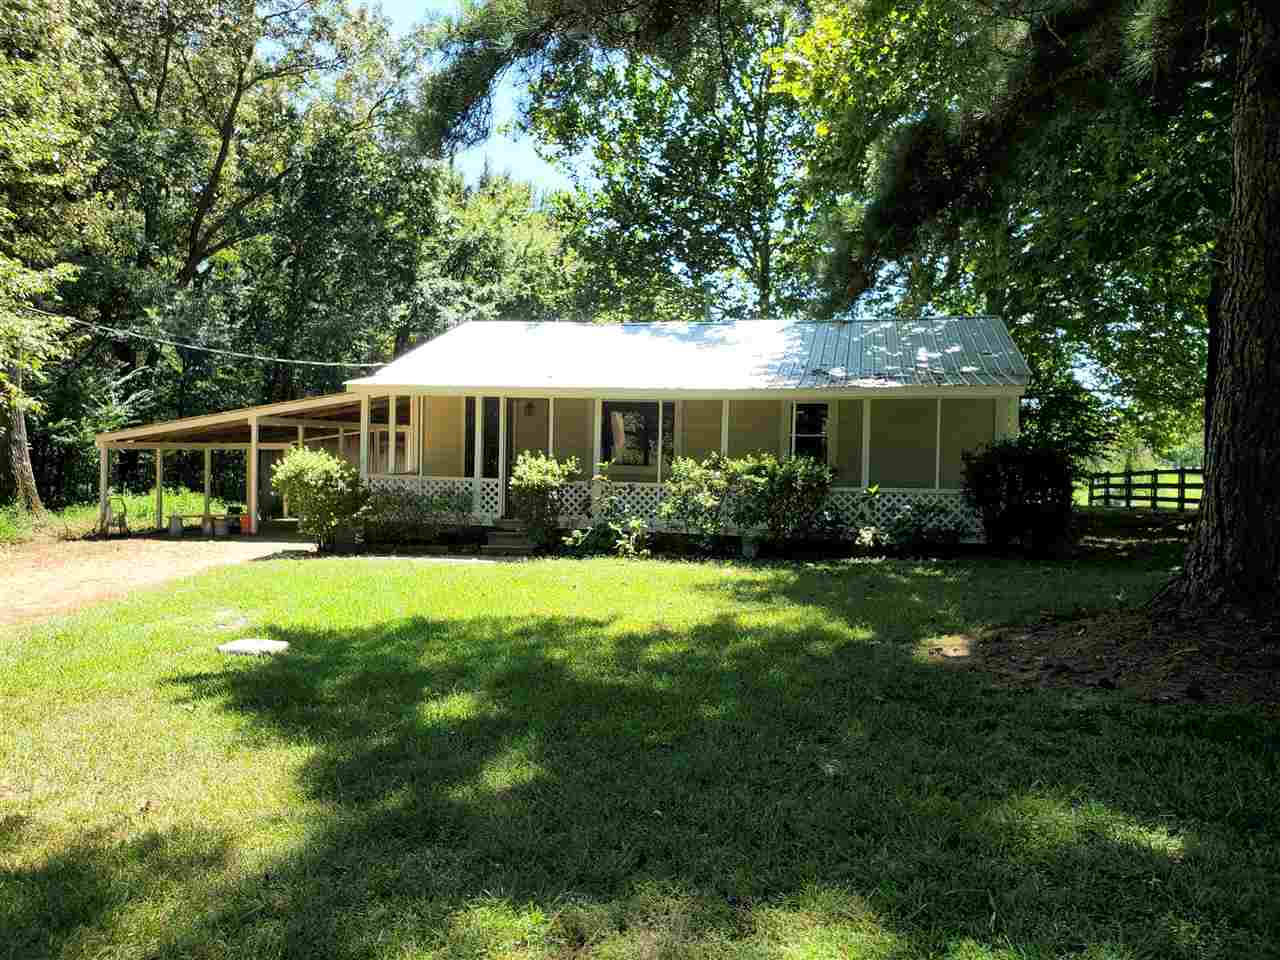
x,y
1022,491
691,200
613,529
399,516
324,491
536,489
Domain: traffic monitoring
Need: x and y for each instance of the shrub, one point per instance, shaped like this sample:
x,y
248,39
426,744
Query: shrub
x,y
1022,491
783,499
323,490
776,500
613,529
537,488
398,515
695,497
923,525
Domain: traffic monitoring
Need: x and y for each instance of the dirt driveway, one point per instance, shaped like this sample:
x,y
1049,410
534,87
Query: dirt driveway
x,y
43,579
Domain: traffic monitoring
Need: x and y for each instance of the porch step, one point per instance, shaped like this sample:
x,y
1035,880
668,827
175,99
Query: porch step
x,y
506,549
513,525
508,538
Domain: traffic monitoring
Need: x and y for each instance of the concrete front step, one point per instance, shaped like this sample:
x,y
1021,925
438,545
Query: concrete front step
x,y
508,538
509,525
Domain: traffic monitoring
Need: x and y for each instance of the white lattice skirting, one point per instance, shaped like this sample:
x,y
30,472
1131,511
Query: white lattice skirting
x,y
487,502
642,500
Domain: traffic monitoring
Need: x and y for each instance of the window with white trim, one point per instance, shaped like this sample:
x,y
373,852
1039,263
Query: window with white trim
x,y
809,430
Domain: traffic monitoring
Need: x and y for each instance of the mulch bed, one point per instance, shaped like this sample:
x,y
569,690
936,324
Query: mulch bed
x,y
1219,661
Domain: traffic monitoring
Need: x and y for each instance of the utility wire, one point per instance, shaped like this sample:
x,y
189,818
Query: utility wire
x,y
151,338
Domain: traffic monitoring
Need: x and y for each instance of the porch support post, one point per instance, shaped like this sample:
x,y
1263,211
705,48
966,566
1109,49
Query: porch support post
x,y
364,436
159,489
477,466
253,475
937,450
424,434
392,433
342,442
208,480
103,472
502,456
724,427
551,426
597,422
411,445
833,432
866,442
659,442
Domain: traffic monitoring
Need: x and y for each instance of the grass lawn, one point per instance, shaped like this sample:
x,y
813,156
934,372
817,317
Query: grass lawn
x,y
613,759
78,520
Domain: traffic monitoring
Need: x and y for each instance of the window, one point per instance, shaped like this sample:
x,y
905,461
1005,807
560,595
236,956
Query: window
x,y
809,431
629,433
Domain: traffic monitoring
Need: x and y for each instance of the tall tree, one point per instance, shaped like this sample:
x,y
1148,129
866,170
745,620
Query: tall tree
x,y
694,168
46,112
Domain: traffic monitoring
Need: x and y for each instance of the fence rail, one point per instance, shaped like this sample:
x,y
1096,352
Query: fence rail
x,y
1146,488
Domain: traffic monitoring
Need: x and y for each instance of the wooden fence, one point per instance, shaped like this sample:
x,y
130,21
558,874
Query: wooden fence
x,y
1148,488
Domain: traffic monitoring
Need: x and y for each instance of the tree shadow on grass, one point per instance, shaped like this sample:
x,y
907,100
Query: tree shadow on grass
x,y
758,782
737,787
46,909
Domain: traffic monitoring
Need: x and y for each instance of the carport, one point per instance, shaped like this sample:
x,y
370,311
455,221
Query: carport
x,y
334,419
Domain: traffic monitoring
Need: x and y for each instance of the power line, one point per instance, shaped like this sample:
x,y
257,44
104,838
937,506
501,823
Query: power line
x,y
151,338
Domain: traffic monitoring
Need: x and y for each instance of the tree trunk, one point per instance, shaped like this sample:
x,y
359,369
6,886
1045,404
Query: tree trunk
x,y
1234,558
24,478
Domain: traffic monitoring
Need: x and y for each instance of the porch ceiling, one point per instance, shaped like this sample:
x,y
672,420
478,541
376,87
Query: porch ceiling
x,y
232,427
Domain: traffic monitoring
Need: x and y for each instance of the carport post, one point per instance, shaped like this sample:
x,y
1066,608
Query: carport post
x,y
252,479
364,436
159,489
208,479
103,472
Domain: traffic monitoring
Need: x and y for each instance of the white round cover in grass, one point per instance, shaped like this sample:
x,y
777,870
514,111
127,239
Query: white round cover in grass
x,y
254,647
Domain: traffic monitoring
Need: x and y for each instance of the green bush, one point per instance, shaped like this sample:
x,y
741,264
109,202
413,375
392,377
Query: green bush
x,y
536,489
400,516
1022,491
771,499
923,525
784,500
695,497
323,490
613,529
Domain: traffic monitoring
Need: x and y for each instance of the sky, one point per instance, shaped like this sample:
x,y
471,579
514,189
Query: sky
x,y
514,155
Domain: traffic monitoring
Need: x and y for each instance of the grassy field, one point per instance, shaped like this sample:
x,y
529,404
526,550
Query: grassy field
x,y
18,526
613,759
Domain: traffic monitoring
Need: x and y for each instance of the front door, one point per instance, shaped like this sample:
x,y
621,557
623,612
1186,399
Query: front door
x,y
527,429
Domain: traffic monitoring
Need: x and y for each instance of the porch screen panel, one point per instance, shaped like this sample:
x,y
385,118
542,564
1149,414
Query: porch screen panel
x,y
966,425
903,438
573,432
754,426
848,427
443,456
528,425
702,427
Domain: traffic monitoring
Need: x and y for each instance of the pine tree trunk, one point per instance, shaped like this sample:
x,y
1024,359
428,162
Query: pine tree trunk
x,y
1234,559
24,478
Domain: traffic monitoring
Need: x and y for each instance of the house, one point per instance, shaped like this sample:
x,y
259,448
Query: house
x,y
887,402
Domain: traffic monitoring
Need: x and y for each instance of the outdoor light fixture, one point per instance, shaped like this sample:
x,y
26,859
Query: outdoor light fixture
x,y
528,408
